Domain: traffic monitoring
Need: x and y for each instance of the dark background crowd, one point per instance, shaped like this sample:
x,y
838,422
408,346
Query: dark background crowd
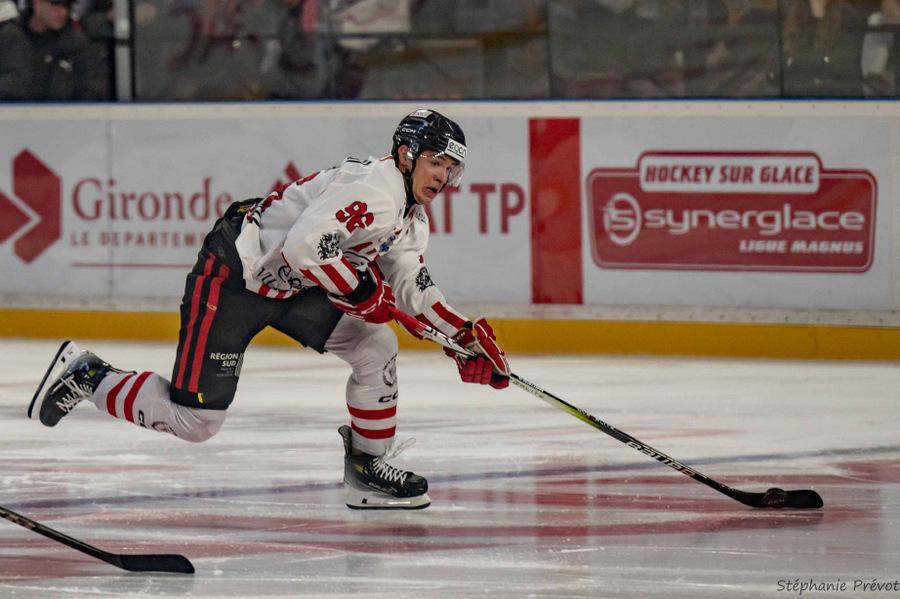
x,y
161,50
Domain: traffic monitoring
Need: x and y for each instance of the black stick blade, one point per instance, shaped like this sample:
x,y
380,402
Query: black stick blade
x,y
776,498
155,563
779,498
803,499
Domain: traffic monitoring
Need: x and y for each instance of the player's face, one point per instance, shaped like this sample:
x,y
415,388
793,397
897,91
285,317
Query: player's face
x,y
430,176
51,15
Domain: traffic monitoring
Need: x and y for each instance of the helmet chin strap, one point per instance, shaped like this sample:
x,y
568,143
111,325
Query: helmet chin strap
x,y
410,196
407,182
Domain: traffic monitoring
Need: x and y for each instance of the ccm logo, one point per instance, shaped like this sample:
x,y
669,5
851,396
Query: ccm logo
x,y
35,210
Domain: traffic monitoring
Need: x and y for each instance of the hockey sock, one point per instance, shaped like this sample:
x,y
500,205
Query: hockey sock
x,y
143,398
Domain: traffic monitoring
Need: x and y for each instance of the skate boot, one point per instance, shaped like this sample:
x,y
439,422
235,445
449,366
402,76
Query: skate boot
x,y
372,483
72,376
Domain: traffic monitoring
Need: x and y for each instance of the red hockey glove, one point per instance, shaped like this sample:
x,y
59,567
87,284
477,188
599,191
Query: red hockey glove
x,y
488,366
370,301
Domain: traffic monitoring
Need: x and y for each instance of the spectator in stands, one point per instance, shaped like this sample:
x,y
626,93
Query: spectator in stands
x,y
573,27
706,49
296,63
735,51
97,23
60,52
513,45
203,49
879,61
823,47
659,61
615,48
374,50
15,55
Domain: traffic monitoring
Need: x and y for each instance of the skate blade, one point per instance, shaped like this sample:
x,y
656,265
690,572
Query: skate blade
x,y
369,500
67,352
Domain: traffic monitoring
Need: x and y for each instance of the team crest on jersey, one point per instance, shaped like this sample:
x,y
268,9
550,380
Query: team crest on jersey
x,y
329,246
423,279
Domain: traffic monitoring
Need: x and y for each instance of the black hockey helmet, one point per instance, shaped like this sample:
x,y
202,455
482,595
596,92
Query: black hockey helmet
x,y
428,129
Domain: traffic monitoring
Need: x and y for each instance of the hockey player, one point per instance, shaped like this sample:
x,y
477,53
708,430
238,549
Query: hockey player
x,y
323,260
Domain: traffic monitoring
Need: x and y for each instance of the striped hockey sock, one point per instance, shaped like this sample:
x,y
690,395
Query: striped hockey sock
x,y
143,398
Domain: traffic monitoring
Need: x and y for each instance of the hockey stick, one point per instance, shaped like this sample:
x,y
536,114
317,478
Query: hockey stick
x,y
772,498
132,563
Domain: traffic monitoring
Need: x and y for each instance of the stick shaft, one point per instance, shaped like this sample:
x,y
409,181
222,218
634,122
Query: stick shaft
x,y
622,436
801,499
135,563
57,536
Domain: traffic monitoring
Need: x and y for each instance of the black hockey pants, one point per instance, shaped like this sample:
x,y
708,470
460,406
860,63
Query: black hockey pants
x,y
219,317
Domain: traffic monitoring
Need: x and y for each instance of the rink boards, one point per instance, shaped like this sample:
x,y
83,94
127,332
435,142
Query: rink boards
x,y
705,228
739,339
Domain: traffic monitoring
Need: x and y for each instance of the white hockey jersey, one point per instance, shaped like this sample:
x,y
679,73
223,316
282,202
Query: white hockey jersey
x,y
322,229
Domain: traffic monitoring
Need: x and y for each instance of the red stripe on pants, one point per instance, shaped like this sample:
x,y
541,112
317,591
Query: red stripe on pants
x,y
370,433
195,309
128,408
212,305
113,395
555,175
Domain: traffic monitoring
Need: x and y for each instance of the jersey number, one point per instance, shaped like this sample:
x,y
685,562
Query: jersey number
x,y
355,216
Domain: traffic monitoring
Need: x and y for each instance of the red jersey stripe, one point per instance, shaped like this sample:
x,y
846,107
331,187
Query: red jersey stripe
x,y
309,275
113,395
377,269
373,414
445,313
412,332
128,408
351,270
368,433
341,278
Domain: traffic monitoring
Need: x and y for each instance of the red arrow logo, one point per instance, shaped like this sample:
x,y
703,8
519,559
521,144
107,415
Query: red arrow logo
x,y
292,173
38,189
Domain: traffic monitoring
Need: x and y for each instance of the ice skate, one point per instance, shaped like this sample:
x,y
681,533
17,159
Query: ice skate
x,y
372,483
72,377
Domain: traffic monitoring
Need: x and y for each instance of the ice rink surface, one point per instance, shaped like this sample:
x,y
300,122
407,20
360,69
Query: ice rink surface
x,y
527,500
